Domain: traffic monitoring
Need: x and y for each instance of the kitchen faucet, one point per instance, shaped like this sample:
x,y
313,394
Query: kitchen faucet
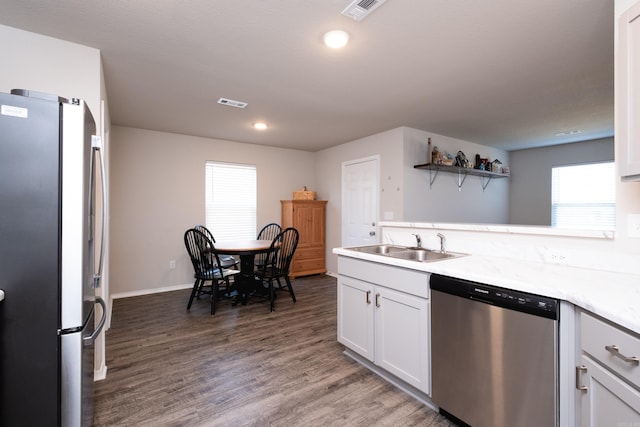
x,y
418,241
443,243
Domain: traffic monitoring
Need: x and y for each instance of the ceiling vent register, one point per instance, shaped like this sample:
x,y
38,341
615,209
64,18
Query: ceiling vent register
x,y
232,103
360,9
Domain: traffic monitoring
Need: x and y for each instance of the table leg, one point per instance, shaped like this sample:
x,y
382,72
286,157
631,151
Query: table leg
x,y
245,280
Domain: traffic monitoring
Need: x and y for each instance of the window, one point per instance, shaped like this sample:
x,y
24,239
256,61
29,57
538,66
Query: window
x,y
584,196
230,200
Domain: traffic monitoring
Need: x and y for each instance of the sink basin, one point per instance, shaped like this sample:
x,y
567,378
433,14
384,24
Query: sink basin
x,y
379,249
422,255
408,253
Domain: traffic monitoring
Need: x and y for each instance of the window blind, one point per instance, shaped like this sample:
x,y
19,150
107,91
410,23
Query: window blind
x,y
584,196
230,200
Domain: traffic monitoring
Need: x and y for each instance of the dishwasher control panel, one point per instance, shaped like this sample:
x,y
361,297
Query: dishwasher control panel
x,y
507,298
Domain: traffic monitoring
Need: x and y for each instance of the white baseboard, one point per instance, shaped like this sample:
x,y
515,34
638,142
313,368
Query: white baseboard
x,y
151,291
100,374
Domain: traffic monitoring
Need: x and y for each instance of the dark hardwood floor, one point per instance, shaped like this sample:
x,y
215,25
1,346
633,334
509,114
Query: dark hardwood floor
x,y
244,366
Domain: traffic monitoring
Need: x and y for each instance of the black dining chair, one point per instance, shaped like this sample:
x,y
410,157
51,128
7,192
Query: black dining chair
x,y
268,232
278,261
206,265
227,260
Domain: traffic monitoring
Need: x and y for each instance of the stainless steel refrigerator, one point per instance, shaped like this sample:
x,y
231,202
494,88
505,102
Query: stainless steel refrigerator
x,y
48,270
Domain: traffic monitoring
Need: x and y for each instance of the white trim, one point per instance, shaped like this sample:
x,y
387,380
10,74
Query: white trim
x,y
100,374
151,291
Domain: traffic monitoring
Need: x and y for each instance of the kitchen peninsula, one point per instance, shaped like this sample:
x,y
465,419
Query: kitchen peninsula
x,y
606,295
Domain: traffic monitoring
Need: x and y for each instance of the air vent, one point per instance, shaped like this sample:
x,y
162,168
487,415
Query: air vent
x,y
360,9
232,103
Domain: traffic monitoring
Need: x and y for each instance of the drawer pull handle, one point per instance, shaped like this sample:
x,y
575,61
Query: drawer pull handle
x,y
613,349
368,299
377,299
579,370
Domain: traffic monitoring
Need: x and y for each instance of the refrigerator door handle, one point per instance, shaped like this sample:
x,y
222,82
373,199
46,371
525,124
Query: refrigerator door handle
x,y
91,338
97,146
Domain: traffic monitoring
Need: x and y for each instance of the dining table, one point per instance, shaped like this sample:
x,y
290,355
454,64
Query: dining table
x,y
246,249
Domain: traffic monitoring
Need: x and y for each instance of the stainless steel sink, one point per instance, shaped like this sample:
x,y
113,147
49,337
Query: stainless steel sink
x,y
408,253
379,249
422,255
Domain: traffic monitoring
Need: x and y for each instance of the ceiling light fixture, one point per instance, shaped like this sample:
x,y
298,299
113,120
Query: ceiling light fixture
x,y
260,126
336,39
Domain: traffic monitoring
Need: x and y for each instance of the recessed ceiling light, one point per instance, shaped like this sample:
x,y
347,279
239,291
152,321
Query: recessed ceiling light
x,y
336,39
260,126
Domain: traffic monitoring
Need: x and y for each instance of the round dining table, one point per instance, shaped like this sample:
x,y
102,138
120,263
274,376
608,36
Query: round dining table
x,y
246,282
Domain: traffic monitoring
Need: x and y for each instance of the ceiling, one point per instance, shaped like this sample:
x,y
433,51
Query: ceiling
x,y
504,73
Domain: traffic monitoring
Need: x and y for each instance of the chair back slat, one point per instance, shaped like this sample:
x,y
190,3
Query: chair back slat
x,y
287,244
268,232
202,253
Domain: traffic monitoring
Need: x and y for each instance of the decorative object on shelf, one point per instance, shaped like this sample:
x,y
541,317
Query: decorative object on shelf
x,y
461,159
304,194
436,156
429,151
496,166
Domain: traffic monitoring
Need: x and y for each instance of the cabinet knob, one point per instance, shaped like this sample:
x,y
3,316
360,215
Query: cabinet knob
x,y
372,233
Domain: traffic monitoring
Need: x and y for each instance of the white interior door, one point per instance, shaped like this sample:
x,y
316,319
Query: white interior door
x,y
360,201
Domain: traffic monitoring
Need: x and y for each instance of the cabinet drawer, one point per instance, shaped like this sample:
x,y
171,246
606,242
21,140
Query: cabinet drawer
x,y
307,264
400,279
597,336
306,253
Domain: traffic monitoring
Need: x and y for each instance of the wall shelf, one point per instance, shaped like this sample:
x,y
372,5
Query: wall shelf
x,y
485,176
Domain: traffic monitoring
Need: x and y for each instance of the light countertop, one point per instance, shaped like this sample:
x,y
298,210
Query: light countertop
x,y
614,296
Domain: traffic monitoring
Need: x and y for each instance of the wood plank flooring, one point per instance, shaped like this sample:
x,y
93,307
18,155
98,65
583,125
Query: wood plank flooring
x,y
244,366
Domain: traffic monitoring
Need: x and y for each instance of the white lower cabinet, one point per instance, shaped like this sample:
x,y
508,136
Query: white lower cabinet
x,y
607,375
388,327
607,400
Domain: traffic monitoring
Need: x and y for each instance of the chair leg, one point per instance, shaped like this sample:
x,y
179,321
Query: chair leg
x,y
196,286
293,297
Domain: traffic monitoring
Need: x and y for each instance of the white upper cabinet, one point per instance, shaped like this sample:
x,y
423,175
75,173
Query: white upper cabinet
x,y
628,93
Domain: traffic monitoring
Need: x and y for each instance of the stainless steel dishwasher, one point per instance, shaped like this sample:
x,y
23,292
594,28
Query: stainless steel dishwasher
x,y
494,354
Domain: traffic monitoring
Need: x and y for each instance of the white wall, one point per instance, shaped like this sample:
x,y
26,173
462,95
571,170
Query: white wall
x,y
389,146
442,201
44,64
157,193
530,190
404,190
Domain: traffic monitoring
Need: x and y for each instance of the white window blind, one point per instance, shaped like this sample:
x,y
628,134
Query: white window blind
x,y
584,196
230,200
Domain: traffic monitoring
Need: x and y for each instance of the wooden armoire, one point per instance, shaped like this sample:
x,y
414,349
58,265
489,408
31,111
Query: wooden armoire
x,y
308,217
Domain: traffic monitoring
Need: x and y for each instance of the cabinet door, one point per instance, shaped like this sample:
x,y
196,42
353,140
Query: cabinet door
x,y
608,401
309,219
628,93
402,336
355,316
